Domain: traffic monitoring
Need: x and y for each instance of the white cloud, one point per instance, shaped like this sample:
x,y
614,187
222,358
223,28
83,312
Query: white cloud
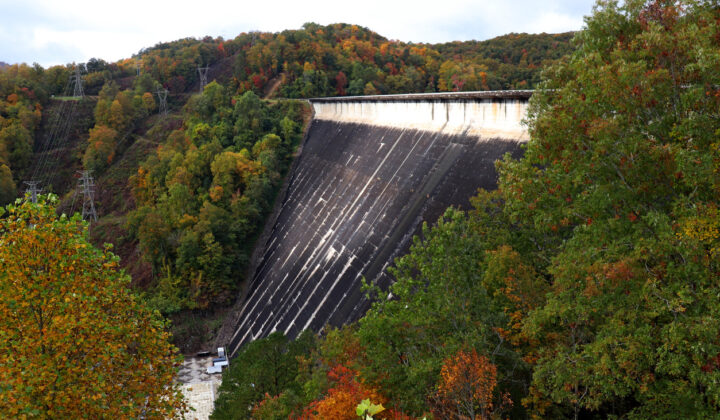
x,y
554,22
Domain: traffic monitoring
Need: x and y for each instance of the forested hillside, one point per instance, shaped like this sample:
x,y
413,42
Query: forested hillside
x,y
346,59
183,196
585,287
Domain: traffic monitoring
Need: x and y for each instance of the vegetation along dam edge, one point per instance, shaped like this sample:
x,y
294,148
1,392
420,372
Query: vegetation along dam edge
x,y
371,171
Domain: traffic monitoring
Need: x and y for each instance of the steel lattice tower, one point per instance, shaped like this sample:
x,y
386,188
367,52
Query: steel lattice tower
x,y
162,96
76,78
203,71
86,185
32,190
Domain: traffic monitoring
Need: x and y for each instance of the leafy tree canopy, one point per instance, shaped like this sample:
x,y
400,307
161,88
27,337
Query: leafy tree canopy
x,y
74,341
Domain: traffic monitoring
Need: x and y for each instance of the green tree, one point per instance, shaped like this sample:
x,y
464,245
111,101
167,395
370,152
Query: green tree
x,y
269,365
620,177
251,120
441,303
101,148
8,189
18,143
75,342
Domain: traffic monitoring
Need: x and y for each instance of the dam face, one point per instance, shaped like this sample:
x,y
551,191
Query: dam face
x,y
371,170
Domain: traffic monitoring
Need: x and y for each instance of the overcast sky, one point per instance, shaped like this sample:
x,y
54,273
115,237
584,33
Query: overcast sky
x,y
53,32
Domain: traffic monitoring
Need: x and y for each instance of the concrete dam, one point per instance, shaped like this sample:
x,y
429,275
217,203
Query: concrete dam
x,y
370,171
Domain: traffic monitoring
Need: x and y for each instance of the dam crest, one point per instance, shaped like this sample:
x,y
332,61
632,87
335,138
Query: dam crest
x,y
370,171
483,114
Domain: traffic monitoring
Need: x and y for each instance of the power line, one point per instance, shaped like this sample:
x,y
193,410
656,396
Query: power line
x,y
62,140
58,129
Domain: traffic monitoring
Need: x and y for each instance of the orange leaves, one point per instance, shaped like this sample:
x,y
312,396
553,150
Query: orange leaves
x,y
467,371
343,397
467,382
619,272
101,150
216,193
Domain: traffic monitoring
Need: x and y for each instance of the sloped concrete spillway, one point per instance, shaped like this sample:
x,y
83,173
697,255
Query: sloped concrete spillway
x,y
372,169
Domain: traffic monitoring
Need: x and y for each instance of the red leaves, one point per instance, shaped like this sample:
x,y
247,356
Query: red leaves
x,y
342,398
712,364
341,82
619,272
257,80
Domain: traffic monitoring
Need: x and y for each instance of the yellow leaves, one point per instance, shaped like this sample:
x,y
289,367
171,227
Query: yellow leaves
x,y
110,265
516,285
216,193
702,228
65,319
187,220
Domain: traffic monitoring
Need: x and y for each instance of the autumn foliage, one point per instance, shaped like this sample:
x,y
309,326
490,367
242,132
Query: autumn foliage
x,y
342,397
586,285
466,388
74,341
101,149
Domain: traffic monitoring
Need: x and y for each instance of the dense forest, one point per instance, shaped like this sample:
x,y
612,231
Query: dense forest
x,y
585,287
345,59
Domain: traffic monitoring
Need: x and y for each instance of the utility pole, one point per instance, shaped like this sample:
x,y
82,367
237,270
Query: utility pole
x,y
86,185
76,78
162,96
32,190
203,71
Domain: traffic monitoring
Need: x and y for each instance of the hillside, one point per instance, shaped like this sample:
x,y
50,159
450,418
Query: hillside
x,y
182,197
344,59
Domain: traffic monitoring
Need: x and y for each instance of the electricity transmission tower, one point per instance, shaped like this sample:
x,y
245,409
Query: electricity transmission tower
x,y
76,79
32,190
86,186
203,71
162,96
137,67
